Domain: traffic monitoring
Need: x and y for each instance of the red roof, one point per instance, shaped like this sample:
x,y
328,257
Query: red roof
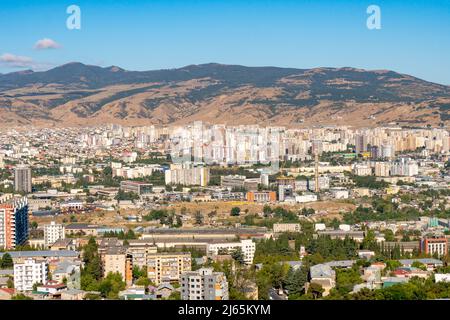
x,y
8,290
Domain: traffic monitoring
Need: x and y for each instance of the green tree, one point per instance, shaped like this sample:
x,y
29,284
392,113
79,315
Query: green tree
x,y
21,296
238,256
111,285
316,290
175,295
198,218
235,211
295,282
6,262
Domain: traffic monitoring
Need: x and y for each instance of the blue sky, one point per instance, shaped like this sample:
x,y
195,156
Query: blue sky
x,y
145,35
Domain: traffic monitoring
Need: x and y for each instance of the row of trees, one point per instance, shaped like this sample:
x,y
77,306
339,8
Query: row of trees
x,y
165,217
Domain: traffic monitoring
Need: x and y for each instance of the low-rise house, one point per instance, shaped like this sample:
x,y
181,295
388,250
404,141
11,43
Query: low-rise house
x,y
340,263
68,272
295,265
430,263
51,288
73,294
7,293
164,290
410,272
366,254
135,293
323,275
390,281
64,244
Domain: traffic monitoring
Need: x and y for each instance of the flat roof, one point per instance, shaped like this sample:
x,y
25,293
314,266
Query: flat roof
x,y
43,253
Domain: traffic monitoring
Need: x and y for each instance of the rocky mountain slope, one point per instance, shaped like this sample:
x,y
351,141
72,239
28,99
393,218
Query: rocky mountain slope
x,y
78,94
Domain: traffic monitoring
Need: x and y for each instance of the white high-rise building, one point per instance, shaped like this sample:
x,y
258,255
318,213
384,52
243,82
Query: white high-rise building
x,y
29,272
53,232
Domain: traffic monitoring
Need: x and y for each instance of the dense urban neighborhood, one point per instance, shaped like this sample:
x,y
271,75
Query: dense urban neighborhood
x,y
219,212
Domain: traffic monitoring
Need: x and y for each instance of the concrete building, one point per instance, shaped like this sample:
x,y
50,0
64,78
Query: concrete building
x,y
261,196
204,284
310,197
139,250
286,227
53,232
22,179
29,272
115,259
187,175
137,187
247,247
362,170
232,181
433,246
167,267
13,222
382,169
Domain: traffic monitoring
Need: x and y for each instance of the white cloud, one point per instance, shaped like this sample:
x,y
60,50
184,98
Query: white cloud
x,y
46,44
13,61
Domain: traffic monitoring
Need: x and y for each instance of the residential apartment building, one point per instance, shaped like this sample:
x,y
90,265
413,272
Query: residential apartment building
x,y
187,175
433,246
13,222
115,259
29,272
204,284
22,179
382,169
167,266
53,232
139,249
247,247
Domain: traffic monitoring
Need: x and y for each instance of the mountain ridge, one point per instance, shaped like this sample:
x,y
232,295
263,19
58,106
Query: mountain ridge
x,y
76,93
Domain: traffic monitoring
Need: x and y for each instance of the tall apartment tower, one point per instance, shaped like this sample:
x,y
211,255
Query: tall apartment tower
x,y
204,284
317,148
361,143
22,179
13,222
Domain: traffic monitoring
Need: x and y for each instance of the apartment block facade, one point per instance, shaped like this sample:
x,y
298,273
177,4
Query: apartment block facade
x,y
53,232
167,267
247,247
29,272
204,284
13,222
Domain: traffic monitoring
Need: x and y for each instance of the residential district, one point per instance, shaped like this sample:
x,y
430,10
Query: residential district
x,y
215,212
